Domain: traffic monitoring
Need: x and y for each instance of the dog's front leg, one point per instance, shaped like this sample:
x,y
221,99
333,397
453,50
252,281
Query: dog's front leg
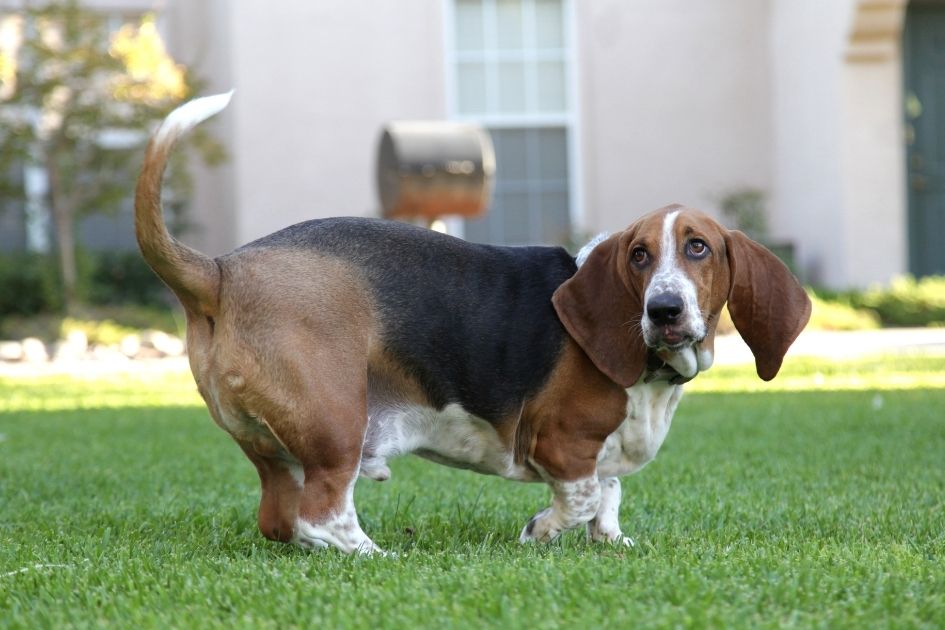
x,y
574,503
605,526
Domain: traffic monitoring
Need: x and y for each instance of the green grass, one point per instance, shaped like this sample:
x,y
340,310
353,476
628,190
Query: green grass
x,y
819,501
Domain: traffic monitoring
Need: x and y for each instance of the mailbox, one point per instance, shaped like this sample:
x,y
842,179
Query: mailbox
x,y
429,169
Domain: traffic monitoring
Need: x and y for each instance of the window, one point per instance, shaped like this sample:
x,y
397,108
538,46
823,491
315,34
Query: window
x,y
510,70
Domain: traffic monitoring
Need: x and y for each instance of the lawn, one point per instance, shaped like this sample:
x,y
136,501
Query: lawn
x,y
816,500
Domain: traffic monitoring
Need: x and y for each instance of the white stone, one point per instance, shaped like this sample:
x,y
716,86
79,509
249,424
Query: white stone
x,y
11,351
34,351
109,354
78,340
72,348
164,343
130,346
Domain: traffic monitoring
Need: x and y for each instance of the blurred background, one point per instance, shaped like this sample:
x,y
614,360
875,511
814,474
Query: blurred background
x,y
816,126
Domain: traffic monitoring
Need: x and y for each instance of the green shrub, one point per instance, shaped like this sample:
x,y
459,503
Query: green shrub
x,y
105,332
102,324
124,278
826,314
839,315
907,301
29,284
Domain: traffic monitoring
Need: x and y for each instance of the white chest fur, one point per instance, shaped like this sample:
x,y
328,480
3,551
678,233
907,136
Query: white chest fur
x,y
650,408
451,436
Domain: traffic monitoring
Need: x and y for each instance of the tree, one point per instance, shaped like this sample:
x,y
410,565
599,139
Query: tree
x,y
79,101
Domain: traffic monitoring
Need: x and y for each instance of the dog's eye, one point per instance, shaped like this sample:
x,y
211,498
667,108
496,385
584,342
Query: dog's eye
x,y
639,256
697,248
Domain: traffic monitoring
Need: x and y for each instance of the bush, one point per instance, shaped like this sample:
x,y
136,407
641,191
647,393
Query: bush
x,y
907,301
839,315
101,324
826,314
29,284
124,278
104,332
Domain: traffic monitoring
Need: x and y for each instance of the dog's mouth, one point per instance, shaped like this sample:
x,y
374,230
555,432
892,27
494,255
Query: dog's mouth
x,y
672,338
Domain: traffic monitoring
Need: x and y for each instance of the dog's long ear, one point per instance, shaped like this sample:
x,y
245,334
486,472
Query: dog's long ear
x,y
600,309
768,305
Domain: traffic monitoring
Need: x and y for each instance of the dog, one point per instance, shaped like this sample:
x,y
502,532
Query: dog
x,y
329,347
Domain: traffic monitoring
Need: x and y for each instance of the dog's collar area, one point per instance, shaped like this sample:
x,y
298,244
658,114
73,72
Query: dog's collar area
x,y
657,369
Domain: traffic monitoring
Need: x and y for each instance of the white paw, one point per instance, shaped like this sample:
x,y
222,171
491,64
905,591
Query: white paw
x,y
613,538
538,529
368,548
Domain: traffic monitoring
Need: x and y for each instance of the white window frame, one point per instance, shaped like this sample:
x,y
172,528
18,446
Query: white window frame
x,y
570,120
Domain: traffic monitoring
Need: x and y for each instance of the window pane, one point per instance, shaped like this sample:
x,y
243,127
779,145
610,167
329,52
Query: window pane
x,y
469,35
478,230
513,212
511,87
509,27
551,95
531,203
471,85
555,221
511,154
553,154
549,22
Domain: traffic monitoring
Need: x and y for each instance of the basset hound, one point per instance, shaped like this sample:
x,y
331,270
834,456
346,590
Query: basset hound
x,y
334,345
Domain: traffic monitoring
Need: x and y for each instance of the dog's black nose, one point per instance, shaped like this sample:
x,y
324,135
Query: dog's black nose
x,y
664,308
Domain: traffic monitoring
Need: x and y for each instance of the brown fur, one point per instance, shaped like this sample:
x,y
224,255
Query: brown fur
x,y
282,344
572,416
602,304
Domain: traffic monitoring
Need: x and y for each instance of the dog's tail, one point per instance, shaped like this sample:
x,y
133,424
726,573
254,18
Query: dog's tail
x,y
194,277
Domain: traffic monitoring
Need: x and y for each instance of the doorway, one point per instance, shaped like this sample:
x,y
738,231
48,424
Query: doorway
x,y
924,73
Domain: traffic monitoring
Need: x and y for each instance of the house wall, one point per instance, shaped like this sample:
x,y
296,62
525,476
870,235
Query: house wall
x,y
807,46
675,101
838,150
678,101
314,84
875,204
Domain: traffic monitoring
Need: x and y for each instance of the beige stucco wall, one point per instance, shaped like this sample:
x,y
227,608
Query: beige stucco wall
x,y
807,46
678,101
675,102
314,81
838,150
873,145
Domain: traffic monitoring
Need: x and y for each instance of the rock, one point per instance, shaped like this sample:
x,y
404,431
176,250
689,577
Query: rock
x,y
78,340
130,346
164,343
72,348
11,351
34,351
108,353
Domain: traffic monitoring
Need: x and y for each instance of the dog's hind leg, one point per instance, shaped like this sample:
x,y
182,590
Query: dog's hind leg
x,y
324,431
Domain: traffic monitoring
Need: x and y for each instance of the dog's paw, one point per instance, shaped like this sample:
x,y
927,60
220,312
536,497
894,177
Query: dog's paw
x,y
539,529
374,469
368,548
615,538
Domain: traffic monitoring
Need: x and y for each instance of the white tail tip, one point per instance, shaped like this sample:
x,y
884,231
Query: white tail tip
x,y
191,114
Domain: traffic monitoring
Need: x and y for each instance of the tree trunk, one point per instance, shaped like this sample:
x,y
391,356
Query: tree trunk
x,y
64,216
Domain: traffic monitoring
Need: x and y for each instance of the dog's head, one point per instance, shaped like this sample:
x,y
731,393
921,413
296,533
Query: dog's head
x,y
659,287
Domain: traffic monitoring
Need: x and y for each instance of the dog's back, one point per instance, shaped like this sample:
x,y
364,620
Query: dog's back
x,y
457,316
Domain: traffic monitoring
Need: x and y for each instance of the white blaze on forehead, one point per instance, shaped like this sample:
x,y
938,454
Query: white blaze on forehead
x,y
668,244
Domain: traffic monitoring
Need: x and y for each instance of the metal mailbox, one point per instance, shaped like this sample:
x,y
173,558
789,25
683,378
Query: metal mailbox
x,y
429,169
